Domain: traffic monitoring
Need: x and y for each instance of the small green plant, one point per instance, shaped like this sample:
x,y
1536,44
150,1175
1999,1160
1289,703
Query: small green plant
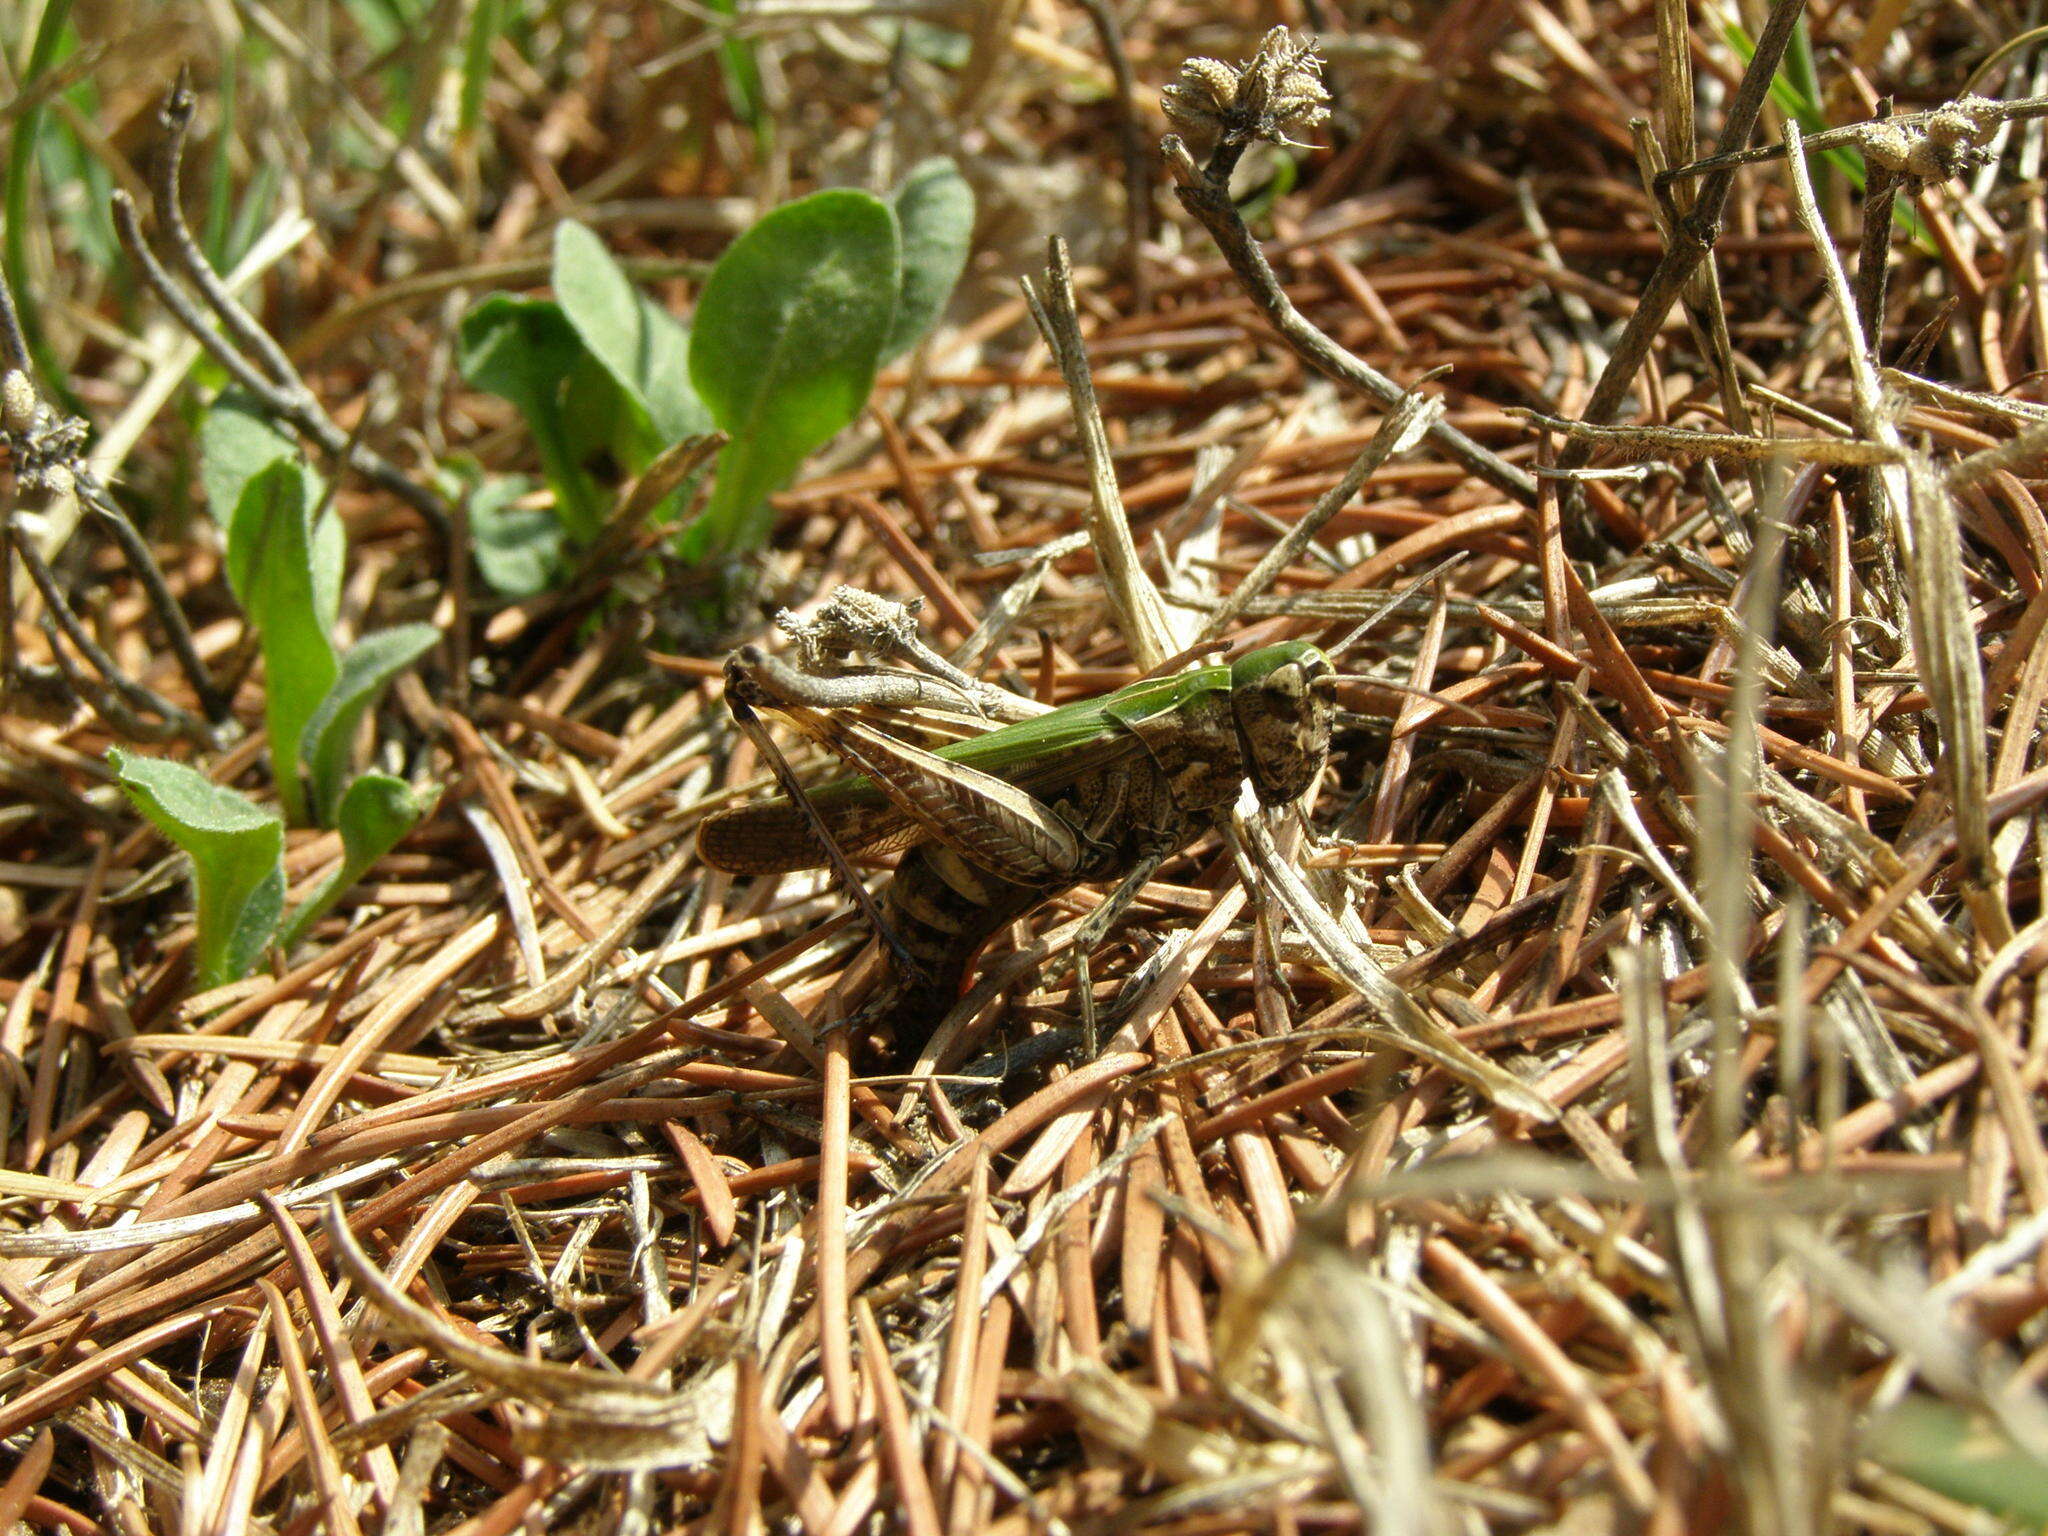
x,y
599,373
284,557
789,335
742,75
237,853
797,317
790,328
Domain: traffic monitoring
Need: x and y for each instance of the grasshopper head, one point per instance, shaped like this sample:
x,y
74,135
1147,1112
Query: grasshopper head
x,y
1284,697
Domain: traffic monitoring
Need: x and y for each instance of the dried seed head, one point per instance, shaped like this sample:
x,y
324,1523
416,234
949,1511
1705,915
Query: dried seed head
x,y
1284,82
1206,90
851,620
1959,135
1933,146
1278,91
42,444
17,401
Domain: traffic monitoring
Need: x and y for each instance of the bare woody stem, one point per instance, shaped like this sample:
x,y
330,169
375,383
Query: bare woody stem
x,y
1977,117
1693,236
139,695
1136,601
213,702
1873,255
14,355
239,344
1410,417
32,431
1205,193
1130,142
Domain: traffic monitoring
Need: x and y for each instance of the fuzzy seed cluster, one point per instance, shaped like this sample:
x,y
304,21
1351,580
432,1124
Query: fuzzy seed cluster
x,y
1278,91
1933,146
42,444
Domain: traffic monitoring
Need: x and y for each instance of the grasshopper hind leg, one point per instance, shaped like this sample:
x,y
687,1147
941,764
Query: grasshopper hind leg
x,y
907,1012
943,908
1091,934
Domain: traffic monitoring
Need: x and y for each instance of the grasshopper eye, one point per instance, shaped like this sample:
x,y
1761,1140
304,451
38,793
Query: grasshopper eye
x,y
1283,698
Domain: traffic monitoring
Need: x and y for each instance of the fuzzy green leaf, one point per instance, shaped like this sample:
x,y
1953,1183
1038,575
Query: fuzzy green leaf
x,y
934,210
374,815
606,432
789,330
237,854
639,343
524,350
281,580
518,548
365,672
237,442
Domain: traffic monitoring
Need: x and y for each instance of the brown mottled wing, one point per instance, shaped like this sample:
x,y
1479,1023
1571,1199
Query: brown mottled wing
x,y
772,837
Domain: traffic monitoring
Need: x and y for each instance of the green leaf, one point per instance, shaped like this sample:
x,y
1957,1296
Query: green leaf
x,y
254,203
54,35
65,161
788,333
220,180
237,854
604,429
237,442
1795,91
1799,66
935,216
366,671
385,24
524,350
280,572
1962,1455
518,548
375,814
639,343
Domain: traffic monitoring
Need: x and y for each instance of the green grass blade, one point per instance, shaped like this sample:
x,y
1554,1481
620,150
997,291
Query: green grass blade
x,y
21,159
1964,1456
485,23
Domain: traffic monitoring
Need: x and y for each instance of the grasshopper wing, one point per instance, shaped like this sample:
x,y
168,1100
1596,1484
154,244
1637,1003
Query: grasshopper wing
x,y
1041,756
773,837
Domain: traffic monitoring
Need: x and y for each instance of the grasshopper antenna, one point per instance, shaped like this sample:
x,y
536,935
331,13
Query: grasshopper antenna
x,y
1393,601
1451,706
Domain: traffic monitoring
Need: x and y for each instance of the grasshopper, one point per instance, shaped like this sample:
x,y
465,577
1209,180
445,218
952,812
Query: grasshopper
x,y
991,826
